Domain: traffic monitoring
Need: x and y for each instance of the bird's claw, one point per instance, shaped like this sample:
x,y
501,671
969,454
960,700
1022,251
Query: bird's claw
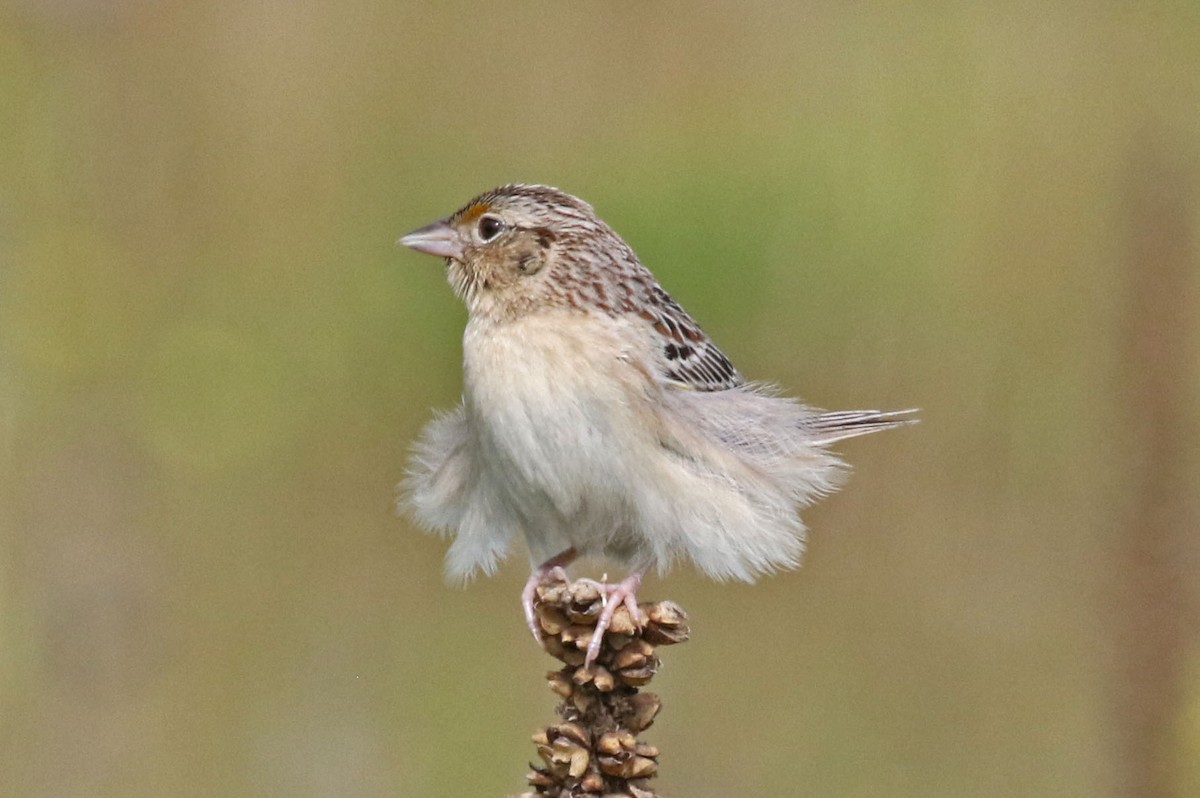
x,y
624,592
530,593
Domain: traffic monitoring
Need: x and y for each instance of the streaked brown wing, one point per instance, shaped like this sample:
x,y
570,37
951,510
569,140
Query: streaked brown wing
x,y
692,359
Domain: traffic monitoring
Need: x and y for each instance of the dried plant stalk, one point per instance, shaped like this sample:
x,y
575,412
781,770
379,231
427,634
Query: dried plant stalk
x,y
595,751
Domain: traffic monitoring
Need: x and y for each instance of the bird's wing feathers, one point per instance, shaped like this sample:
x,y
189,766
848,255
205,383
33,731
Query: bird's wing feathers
x,y
692,359
703,368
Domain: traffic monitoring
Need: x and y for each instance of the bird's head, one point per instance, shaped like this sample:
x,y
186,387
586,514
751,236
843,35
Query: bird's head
x,y
520,248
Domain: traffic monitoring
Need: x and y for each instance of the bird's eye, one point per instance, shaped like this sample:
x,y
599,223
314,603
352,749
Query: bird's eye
x,y
490,227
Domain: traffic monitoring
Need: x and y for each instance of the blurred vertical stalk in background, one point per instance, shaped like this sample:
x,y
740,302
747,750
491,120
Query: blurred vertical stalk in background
x,y
1155,626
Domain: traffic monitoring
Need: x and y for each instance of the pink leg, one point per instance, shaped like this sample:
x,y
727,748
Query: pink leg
x,y
624,592
550,566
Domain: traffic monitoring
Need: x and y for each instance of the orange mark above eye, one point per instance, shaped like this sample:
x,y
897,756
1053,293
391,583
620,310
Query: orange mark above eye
x,y
472,212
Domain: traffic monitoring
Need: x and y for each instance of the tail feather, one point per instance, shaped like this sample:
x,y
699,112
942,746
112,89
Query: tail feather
x,y
832,427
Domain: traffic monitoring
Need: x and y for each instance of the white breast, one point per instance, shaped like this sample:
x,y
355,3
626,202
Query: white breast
x,y
553,402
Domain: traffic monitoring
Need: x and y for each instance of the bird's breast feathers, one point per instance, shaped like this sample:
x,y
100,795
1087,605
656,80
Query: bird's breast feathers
x,y
556,401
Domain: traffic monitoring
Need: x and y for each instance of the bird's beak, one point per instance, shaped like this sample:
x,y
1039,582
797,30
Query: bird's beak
x,y
438,239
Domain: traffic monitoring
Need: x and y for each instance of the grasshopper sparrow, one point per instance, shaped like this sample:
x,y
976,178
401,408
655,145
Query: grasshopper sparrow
x,y
598,419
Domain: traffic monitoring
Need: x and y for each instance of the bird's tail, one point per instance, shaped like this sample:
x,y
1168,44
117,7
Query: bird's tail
x,y
828,428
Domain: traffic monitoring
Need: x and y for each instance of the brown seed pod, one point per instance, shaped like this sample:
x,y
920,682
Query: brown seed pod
x,y
643,708
592,782
594,751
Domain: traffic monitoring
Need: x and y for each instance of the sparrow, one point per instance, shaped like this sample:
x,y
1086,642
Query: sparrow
x,y
598,419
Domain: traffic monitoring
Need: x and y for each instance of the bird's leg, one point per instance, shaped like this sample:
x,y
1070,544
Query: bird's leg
x,y
624,592
554,566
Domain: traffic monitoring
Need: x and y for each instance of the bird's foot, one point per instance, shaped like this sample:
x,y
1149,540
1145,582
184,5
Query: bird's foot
x,y
623,592
552,567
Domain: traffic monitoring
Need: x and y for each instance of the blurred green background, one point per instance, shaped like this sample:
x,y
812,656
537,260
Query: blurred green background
x,y
213,358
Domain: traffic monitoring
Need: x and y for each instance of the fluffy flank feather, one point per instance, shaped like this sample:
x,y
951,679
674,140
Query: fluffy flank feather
x,y
446,493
